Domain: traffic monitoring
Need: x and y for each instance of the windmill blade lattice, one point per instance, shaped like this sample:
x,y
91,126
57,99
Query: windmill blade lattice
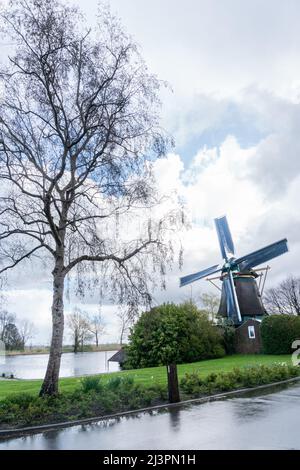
x,y
233,308
201,274
263,255
224,236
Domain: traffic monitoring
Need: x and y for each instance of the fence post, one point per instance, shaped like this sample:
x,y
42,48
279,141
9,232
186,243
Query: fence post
x,y
173,386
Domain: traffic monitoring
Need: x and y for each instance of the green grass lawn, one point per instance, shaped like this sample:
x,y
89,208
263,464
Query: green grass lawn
x,y
150,375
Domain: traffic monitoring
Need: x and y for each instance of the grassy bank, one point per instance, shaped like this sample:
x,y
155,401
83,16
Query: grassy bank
x,y
99,396
154,375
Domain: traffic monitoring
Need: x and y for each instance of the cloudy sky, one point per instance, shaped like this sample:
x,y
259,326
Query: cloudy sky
x,y
234,69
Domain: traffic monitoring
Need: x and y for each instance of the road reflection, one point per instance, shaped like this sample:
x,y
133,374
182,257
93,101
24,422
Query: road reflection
x,y
256,421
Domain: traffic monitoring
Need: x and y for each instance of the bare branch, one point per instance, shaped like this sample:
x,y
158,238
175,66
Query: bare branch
x,y
17,261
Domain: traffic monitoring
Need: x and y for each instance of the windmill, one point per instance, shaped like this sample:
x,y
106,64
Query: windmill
x,y
240,294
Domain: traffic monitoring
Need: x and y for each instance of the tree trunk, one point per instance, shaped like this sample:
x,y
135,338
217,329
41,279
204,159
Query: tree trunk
x,y
76,343
121,336
97,341
50,384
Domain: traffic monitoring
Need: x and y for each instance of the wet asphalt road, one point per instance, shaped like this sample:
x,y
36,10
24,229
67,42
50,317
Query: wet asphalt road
x,y
264,421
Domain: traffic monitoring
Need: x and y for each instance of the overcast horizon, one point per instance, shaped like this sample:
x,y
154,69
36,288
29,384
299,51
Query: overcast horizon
x,y
234,70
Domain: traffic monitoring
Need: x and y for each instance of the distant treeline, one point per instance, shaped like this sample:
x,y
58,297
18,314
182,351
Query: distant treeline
x,y
15,333
66,349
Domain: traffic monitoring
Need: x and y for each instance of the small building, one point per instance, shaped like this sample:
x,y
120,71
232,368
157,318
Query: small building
x,y
248,337
119,356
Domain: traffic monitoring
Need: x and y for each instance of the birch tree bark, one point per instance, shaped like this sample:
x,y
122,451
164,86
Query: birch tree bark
x,y
50,384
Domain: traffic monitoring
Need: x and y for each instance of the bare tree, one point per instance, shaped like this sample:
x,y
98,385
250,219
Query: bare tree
x,y
210,302
285,298
273,302
78,134
126,317
96,326
79,326
6,319
26,330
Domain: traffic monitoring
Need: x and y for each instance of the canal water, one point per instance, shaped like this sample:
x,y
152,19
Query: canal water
x,y
72,365
256,421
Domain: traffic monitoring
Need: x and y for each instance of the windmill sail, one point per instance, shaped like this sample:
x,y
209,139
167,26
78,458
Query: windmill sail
x,y
233,310
224,236
194,277
263,255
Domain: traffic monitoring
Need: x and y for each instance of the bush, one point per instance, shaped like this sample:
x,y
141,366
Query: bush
x,y
191,383
194,385
91,383
172,333
20,399
228,335
124,394
92,398
278,333
114,383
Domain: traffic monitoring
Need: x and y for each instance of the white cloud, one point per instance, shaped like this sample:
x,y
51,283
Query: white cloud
x,y
35,305
213,46
217,54
219,185
219,182
216,182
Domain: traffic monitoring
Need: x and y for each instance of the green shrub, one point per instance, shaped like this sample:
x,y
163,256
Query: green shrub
x,y
92,398
191,383
160,391
127,381
173,333
20,399
211,378
114,383
278,333
194,385
228,336
91,383
293,370
224,383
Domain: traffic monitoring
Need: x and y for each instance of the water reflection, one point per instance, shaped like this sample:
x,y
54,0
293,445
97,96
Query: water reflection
x,y
52,440
174,416
34,366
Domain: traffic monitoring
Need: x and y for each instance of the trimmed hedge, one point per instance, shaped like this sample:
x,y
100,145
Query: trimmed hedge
x,y
278,333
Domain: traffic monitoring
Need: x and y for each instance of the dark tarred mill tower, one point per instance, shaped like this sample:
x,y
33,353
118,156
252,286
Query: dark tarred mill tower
x,y
240,298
